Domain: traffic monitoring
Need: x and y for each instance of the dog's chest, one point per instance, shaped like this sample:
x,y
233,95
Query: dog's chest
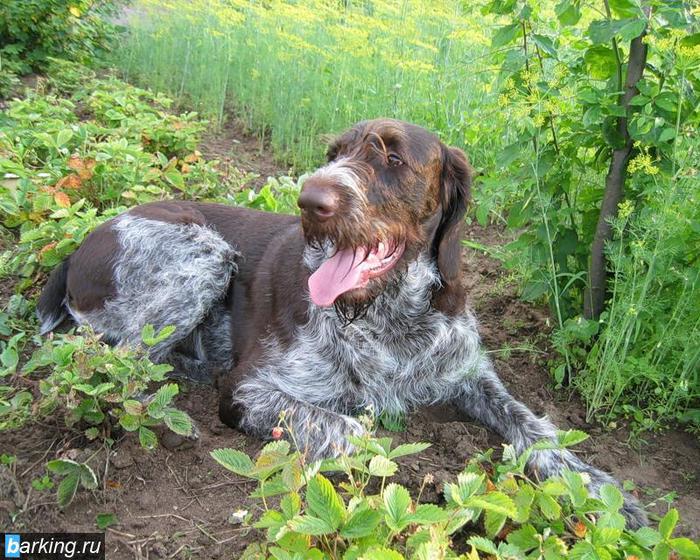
x,y
393,361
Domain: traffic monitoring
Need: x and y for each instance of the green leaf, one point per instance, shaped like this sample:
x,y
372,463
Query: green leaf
x,y
381,466
63,466
483,544
606,536
611,497
293,476
545,44
646,536
381,553
290,505
104,520
667,134
408,449
549,506
603,31
600,62
524,538
668,523
496,502
569,438
662,551
129,422
494,522
269,487
324,502
147,438
624,8
361,523
63,137
568,12
427,514
87,477
67,489
163,397
505,35
310,525
685,547
178,421
396,503
234,460
523,503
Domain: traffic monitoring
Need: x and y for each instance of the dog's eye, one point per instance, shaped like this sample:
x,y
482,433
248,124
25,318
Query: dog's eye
x,y
394,160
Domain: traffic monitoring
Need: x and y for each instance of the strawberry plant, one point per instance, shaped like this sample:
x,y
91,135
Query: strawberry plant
x,y
491,510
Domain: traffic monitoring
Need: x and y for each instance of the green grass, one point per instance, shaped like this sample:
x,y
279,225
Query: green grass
x,y
302,71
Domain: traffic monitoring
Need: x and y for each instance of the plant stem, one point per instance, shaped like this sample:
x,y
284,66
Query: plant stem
x,y
594,300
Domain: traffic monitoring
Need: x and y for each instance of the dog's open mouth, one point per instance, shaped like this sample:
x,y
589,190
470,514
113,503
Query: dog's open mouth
x,y
351,269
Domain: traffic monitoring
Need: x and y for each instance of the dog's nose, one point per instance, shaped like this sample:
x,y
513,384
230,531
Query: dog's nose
x,y
318,200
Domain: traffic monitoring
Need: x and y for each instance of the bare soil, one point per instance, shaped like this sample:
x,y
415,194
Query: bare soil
x,y
175,502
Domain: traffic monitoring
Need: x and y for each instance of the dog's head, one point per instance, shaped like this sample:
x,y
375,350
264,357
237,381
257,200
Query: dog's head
x,y
390,192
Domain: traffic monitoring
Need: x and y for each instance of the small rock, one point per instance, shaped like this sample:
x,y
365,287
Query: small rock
x,y
238,517
217,427
464,449
173,441
159,550
121,459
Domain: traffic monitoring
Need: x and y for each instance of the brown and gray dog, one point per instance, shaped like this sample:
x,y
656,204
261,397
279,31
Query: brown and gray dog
x,y
359,303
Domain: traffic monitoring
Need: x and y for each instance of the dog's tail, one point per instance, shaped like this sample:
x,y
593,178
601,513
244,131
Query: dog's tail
x,y
51,308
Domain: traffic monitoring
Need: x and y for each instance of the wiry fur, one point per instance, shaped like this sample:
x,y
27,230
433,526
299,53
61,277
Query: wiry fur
x,y
179,283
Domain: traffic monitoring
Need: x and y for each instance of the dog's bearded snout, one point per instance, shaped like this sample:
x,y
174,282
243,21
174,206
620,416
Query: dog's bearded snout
x,y
336,218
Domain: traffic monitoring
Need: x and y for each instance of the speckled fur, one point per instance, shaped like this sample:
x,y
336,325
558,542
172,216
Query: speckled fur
x,y
178,283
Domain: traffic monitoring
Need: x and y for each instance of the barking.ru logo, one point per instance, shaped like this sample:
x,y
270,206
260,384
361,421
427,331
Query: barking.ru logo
x,y
11,546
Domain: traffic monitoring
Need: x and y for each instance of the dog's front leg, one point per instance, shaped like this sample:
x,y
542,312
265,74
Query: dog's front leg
x,y
316,430
484,398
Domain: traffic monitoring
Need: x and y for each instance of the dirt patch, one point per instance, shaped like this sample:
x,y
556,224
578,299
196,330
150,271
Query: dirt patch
x,y
178,503
237,149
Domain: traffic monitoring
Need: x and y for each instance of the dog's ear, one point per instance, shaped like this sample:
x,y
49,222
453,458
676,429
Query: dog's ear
x,y
456,179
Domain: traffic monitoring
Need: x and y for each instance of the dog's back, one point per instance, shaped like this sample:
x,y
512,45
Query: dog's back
x,y
171,263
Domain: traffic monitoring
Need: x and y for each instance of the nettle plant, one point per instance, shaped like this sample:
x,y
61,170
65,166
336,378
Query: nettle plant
x,y
492,509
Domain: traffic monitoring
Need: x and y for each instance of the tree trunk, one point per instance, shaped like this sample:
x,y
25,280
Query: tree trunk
x,y
594,299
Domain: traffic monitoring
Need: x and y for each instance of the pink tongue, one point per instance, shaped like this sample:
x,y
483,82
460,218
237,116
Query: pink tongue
x,y
337,275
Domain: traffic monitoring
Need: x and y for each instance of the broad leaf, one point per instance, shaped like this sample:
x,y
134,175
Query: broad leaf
x,y
234,460
362,522
178,421
408,449
381,466
324,502
396,503
310,525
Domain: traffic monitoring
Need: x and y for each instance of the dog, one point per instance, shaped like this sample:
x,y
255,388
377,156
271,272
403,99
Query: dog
x,y
357,303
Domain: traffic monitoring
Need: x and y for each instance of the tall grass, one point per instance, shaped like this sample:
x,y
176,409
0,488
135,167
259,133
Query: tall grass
x,y
299,71
646,363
